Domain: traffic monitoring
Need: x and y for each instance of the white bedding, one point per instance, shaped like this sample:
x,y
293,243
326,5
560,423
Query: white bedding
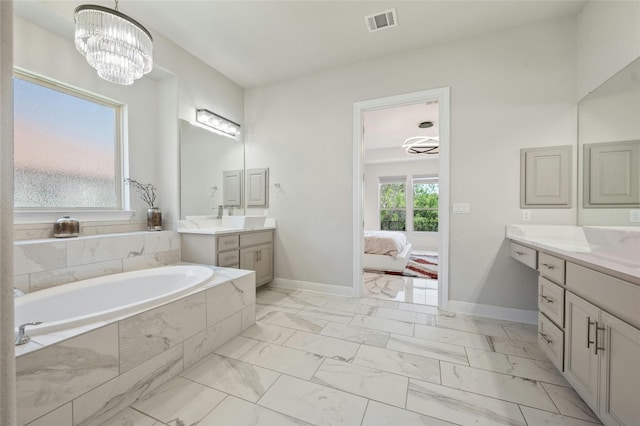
x,y
388,243
384,263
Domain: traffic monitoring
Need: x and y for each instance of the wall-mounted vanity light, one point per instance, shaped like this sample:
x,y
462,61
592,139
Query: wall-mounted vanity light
x,y
218,123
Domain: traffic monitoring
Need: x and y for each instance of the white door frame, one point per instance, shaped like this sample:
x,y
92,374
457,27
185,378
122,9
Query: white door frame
x,y
442,96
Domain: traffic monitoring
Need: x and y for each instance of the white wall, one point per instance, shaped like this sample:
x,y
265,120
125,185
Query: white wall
x,y
509,90
8,414
373,172
608,40
154,106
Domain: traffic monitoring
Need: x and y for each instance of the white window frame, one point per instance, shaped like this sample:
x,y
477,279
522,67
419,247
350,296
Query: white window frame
x,y
34,215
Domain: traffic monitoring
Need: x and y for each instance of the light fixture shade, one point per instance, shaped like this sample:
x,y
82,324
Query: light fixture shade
x,y
218,123
422,145
117,46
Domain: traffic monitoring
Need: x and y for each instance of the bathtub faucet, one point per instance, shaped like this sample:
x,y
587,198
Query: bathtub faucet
x,y
17,293
22,337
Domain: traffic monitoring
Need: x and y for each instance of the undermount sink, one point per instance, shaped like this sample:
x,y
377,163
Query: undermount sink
x,y
243,222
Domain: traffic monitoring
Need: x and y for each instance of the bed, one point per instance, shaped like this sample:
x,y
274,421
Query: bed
x,y
386,251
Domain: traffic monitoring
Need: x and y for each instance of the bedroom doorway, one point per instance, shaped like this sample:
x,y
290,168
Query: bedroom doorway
x,y
401,164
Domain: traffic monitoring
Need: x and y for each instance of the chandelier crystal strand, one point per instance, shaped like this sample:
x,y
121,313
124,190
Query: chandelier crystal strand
x,y
118,47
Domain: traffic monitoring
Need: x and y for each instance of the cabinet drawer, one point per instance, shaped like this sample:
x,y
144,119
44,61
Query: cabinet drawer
x,y
229,258
618,297
551,267
551,341
551,301
254,238
523,254
228,242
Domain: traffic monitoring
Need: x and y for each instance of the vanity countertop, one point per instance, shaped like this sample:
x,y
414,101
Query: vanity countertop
x,y
221,230
209,225
613,251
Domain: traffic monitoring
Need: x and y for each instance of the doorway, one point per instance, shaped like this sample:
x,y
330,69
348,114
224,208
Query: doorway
x,y
439,97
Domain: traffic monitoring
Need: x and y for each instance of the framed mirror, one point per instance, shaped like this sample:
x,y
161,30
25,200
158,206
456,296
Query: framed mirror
x,y
206,159
609,151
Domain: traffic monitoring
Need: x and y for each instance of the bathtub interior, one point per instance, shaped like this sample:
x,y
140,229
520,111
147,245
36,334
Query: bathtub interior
x,y
104,297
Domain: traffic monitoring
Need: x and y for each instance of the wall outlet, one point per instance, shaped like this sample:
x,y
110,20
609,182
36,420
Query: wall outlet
x,y
634,215
526,215
461,208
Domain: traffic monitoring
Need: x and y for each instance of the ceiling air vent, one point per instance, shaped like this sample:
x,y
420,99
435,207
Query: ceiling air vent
x,y
382,20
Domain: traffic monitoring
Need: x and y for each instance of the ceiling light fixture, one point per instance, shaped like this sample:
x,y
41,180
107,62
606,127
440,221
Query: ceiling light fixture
x,y
422,145
218,123
116,45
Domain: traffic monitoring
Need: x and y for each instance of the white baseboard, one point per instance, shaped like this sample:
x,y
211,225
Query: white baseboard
x,y
497,312
338,290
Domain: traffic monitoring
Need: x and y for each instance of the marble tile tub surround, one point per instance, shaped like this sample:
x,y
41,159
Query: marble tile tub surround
x,y
354,373
614,250
88,378
40,264
39,231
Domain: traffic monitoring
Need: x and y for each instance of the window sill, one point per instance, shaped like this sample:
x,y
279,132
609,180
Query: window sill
x,y
21,217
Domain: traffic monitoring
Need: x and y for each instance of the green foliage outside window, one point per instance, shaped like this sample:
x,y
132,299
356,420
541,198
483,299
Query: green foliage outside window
x,y
425,207
393,205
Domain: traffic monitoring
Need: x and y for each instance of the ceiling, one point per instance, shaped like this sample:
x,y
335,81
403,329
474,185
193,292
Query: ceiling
x,y
255,43
386,129
260,42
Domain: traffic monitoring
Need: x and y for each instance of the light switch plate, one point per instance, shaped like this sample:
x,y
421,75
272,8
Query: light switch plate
x,y
461,208
634,215
526,215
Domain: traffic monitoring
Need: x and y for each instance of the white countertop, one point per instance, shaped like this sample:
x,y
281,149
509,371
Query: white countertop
x,y
209,225
221,230
611,250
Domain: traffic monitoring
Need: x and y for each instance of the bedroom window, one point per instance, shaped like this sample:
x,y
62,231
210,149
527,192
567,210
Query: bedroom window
x,y
393,204
425,204
67,148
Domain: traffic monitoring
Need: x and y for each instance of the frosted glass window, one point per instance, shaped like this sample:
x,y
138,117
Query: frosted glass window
x,y
66,148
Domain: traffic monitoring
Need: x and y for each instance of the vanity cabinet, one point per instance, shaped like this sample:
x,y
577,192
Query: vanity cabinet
x,y
589,327
602,344
551,294
259,259
601,361
251,250
581,350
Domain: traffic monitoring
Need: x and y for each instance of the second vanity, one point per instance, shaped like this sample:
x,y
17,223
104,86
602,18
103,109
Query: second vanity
x,y
589,304
209,243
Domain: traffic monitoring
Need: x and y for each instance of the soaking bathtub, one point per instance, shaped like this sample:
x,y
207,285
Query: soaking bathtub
x,y
105,298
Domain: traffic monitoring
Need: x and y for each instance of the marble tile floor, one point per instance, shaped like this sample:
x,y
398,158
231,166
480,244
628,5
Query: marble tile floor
x,y
317,359
419,291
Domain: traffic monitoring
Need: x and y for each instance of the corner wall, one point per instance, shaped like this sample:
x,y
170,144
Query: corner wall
x,y
509,90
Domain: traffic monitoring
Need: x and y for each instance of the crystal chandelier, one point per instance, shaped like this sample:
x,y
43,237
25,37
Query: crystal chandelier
x,y
116,45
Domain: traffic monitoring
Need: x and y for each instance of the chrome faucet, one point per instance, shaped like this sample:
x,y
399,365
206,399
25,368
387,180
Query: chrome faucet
x,y
230,210
17,293
22,337
220,209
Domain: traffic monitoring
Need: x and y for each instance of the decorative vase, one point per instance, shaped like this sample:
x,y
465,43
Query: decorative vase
x,y
154,219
